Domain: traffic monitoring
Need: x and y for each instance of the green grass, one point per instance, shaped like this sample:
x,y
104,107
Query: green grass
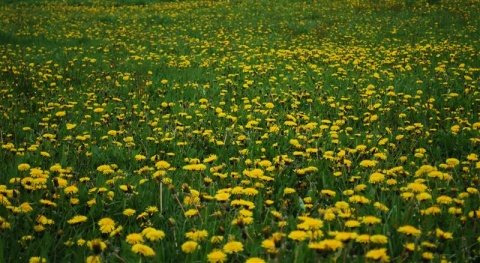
x,y
290,99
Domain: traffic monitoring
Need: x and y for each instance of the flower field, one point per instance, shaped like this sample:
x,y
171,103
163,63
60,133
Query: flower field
x,y
239,131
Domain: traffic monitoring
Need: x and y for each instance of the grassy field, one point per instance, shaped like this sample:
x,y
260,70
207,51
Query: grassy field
x,y
239,131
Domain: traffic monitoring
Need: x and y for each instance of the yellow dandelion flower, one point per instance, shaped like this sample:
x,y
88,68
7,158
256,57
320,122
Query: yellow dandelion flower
x,y
190,247
37,260
94,259
106,224
368,163
344,236
326,245
134,238
153,234
376,178
255,260
216,256
23,167
364,239
197,235
129,212
77,220
423,196
233,247
288,191
409,230
378,255
417,187
143,250
379,239
352,223
298,235
222,197
191,212
162,165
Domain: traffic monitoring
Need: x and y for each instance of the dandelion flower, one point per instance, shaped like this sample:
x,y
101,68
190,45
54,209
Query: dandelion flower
x,y
37,260
376,178
288,190
233,247
298,235
216,256
326,245
379,239
70,190
409,230
153,234
129,212
106,224
143,250
77,220
162,165
255,260
190,247
93,259
197,235
378,254
23,167
352,223
134,238
364,239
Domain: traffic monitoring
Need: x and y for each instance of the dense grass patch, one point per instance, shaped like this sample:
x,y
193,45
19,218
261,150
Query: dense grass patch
x,y
239,131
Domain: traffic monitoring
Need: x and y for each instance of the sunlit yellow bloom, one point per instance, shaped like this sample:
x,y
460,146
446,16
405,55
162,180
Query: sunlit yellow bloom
x,y
197,235
378,239
288,190
364,239
222,197
423,196
129,212
431,211
368,163
352,223
134,238
190,247
409,230
417,187
23,167
298,235
358,199
326,245
216,256
376,178
191,212
143,250
106,224
37,260
378,255
412,247
233,247
77,219
344,236
94,259
444,235
255,260
162,165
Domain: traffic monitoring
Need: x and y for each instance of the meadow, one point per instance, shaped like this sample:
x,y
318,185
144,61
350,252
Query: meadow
x,y
239,131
